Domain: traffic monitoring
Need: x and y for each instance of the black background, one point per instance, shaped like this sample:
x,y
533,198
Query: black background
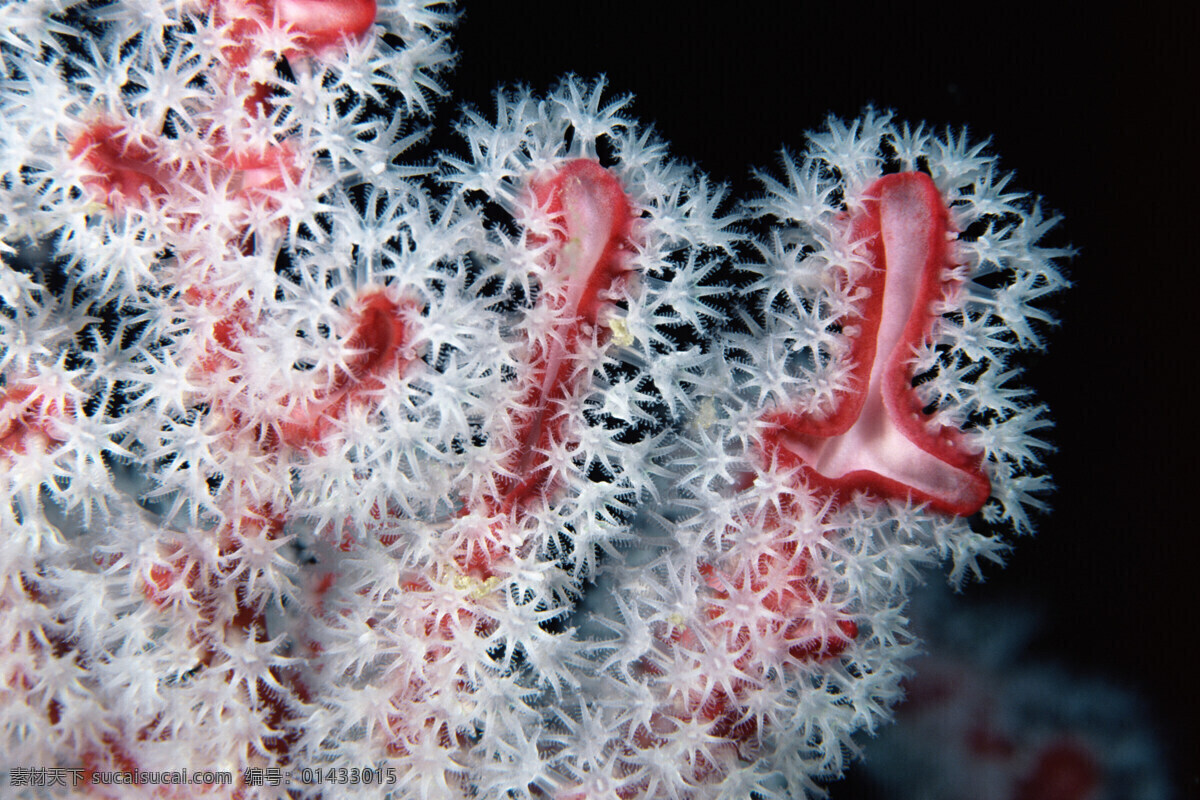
x,y
1093,111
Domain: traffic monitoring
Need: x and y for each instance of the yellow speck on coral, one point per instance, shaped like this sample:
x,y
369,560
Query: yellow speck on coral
x,y
475,588
621,335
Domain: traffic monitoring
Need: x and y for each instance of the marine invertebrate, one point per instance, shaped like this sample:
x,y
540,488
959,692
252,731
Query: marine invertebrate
x,y
486,471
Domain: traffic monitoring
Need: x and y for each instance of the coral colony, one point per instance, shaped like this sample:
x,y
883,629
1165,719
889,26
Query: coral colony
x,y
540,468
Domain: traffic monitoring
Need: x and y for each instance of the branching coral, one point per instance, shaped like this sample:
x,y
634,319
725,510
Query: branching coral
x,y
493,473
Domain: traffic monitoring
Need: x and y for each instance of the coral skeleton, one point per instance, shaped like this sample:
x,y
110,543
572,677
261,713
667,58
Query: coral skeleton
x,y
540,467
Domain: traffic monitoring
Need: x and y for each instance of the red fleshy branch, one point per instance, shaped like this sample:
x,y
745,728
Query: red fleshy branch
x,y
382,339
879,440
317,24
585,262
27,416
383,347
125,171
327,23
258,173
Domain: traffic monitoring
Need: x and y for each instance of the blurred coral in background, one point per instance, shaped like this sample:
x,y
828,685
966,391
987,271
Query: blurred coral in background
x,y
983,719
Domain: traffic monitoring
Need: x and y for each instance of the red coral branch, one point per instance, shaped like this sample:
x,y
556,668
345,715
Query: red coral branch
x,y
584,264
878,439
